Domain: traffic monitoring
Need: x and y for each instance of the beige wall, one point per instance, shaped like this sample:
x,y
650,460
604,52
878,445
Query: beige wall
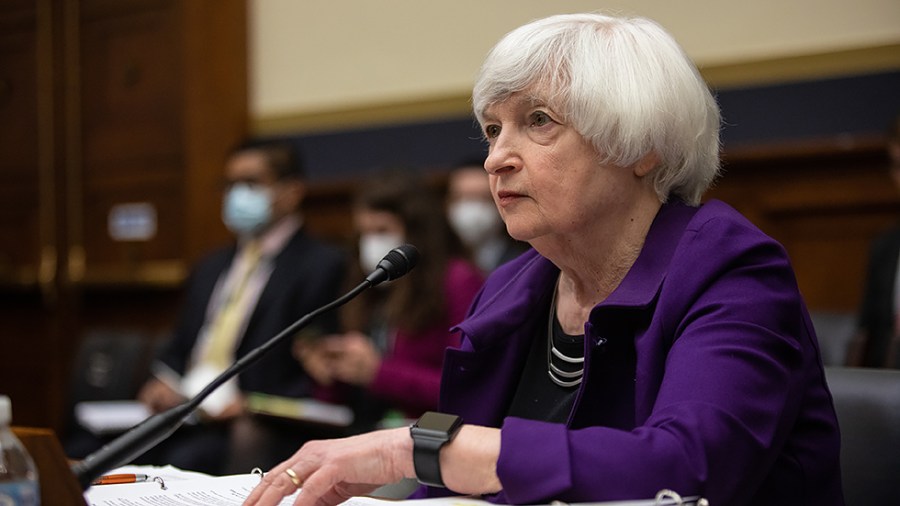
x,y
311,58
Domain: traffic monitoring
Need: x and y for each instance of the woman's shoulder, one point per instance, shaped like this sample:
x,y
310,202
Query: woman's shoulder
x,y
720,211
717,221
693,240
719,234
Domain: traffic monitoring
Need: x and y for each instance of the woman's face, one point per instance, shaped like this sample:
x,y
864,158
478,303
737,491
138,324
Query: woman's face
x,y
368,221
546,178
379,233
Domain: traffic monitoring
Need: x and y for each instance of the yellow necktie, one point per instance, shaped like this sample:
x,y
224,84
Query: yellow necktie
x,y
224,330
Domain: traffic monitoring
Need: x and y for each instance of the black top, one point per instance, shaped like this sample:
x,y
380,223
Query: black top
x,y
537,396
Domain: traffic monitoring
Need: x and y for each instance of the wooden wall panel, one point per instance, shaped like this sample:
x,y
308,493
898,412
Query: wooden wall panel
x,y
825,202
20,215
106,102
164,193
29,361
327,212
131,96
131,78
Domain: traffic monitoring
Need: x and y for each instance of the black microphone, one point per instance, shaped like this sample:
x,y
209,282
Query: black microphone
x,y
155,429
396,263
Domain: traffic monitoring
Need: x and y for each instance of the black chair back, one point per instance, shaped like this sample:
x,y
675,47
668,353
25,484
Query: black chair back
x,y
110,365
867,402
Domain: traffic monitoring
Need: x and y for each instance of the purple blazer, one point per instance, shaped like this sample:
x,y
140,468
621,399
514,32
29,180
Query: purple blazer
x,y
702,375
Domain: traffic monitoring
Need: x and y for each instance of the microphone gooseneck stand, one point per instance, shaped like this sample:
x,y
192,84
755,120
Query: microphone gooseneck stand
x,y
158,427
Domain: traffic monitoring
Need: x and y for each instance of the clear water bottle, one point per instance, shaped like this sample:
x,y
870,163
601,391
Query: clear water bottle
x,y
18,475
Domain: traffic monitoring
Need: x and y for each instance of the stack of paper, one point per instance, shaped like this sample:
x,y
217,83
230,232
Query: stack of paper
x,y
187,489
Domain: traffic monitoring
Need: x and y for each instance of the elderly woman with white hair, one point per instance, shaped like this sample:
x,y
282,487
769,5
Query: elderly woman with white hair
x,y
646,342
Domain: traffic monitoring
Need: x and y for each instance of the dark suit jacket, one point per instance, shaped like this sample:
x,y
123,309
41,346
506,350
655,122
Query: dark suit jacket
x,y
307,274
877,310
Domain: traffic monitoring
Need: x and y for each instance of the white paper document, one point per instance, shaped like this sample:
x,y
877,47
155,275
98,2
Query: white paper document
x,y
185,490
217,491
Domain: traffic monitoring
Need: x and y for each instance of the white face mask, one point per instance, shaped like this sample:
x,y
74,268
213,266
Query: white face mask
x,y
247,209
373,247
475,221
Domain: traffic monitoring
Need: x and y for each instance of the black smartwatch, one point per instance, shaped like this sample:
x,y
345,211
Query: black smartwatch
x,y
429,434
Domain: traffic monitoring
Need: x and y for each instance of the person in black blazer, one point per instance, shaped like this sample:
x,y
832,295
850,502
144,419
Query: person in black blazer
x,y
289,275
879,310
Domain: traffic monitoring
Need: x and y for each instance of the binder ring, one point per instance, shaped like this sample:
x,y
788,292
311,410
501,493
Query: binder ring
x,y
668,495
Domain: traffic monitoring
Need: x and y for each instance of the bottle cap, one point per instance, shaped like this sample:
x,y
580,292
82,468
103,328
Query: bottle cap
x,y
5,410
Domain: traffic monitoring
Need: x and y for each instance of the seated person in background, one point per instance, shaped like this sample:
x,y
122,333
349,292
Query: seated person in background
x,y
396,333
647,342
879,313
236,299
474,217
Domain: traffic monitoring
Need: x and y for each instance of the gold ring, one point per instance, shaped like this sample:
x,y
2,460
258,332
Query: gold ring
x,y
293,476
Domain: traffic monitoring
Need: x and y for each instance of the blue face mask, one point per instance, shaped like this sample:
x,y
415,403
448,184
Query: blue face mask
x,y
247,210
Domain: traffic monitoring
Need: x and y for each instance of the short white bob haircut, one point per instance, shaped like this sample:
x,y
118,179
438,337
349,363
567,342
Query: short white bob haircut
x,y
624,84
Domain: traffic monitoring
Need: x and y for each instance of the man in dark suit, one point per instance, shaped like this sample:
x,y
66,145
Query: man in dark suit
x,y
236,299
880,309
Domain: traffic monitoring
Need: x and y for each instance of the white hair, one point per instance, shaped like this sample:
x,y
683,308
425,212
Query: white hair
x,y
624,84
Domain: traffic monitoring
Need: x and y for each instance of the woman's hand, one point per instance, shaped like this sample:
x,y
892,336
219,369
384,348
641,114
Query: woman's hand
x,y
333,471
315,359
356,361
350,358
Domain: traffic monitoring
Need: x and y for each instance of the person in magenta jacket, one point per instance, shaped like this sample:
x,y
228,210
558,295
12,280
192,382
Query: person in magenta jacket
x,y
648,342
395,335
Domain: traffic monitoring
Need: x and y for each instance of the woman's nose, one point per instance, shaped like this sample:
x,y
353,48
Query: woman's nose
x,y
502,156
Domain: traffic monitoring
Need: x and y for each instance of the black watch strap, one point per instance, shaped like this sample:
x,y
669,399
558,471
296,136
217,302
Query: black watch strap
x,y
427,462
430,433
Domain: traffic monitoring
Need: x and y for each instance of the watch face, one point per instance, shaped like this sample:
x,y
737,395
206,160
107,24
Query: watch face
x,y
438,422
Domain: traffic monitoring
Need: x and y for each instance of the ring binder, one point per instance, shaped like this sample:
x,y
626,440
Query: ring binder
x,y
664,497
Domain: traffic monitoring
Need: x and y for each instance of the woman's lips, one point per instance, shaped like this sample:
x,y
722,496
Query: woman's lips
x,y
506,197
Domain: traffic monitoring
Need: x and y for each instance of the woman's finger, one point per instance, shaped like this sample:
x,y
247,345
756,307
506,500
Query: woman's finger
x,y
273,487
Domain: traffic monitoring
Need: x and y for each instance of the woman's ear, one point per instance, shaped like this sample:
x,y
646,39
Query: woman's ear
x,y
646,164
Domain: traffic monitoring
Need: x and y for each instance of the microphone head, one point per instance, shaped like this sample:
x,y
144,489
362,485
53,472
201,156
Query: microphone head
x,y
399,261
396,263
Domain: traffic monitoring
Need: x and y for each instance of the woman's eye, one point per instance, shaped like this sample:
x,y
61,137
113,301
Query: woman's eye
x,y
540,118
491,131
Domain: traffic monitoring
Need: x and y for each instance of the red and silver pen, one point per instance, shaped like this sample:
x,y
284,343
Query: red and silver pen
x,y
115,479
